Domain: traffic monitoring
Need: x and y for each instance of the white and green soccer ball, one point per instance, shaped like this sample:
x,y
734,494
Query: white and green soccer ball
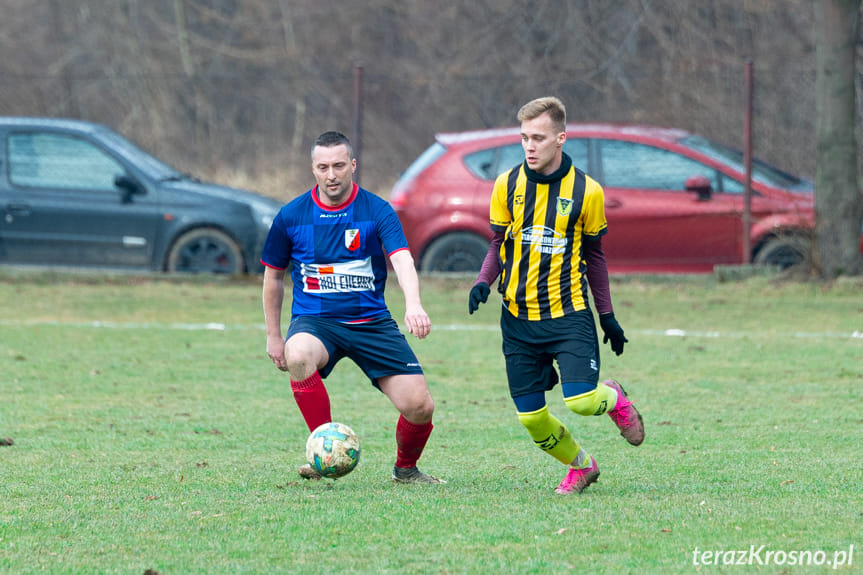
x,y
333,450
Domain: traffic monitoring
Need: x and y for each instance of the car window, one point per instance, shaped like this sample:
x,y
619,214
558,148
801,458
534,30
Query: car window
x,y
730,185
425,160
487,164
509,157
57,161
483,164
633,165
577,150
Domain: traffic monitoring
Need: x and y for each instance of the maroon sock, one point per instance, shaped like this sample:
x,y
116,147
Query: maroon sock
x,y
313,400
411,439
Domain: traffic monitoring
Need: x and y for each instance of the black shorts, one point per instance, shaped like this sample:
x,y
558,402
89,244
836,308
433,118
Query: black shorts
x,y
377,346
531,347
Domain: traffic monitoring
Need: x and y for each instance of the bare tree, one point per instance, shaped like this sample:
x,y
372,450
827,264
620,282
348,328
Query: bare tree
x,y
838,201
237,89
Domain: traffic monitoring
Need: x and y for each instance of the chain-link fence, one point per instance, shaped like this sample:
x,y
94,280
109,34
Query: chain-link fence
x,y
237,90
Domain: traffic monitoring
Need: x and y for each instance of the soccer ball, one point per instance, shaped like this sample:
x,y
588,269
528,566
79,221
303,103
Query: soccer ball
x,y
333,450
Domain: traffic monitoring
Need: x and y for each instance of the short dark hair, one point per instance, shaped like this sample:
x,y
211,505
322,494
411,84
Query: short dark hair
x,y
330,139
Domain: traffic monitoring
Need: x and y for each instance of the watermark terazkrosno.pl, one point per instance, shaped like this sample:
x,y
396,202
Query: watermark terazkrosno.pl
x,y
764,555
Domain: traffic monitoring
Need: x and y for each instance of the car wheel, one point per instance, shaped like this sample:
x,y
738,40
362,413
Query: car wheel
x,y
457,252
205,250
783,251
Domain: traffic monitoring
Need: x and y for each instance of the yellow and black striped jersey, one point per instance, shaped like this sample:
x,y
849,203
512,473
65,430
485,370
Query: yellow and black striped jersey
x,y
544,219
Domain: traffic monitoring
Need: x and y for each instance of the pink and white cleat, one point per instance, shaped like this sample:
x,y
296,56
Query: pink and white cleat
x,y
577,480
625,416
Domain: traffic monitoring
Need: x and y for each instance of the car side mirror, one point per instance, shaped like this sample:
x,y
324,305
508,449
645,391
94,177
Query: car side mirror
x,y
130,188
699,185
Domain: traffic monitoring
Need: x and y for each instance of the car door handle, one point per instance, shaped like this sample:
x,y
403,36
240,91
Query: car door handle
x,y
18,209
613,203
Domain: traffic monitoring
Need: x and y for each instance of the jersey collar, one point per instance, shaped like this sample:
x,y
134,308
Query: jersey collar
x,y
558,174
341,206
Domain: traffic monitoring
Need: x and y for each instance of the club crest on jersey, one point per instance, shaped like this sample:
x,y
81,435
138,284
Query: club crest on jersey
x,y
564,206
352,240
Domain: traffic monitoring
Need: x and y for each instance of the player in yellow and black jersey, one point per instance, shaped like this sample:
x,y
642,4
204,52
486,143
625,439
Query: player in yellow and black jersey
x,y
544,218
548,218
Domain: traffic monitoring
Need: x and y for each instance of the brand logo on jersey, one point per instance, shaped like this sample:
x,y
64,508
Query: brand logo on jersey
x,y
564,206
518,200
543,240
352,240
341,277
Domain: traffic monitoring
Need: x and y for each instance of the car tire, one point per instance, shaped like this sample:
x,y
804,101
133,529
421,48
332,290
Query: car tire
x,y
205,250
456,252
783,251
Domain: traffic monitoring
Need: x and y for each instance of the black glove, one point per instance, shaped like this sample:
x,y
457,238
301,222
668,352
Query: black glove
x,y
478,294
613,332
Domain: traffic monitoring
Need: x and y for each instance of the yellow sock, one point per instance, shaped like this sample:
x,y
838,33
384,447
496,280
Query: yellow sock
x,y
551,435
595,402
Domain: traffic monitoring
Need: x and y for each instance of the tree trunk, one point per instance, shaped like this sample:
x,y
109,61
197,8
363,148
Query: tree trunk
x,y
68,102
838,199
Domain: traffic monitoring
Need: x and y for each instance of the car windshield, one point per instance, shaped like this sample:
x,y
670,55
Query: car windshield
x,y
760,171
154,167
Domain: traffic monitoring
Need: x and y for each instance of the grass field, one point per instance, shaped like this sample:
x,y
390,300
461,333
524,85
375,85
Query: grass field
x,y
150,432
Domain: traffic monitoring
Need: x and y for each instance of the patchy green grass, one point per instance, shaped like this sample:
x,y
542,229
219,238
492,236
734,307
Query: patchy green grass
x,y
151,431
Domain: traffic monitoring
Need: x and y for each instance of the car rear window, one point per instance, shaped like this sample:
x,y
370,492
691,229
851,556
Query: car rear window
x,y
487,164
577,150
425,160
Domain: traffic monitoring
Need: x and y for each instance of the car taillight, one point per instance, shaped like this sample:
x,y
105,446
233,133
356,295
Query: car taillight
x,y
398,199
399,195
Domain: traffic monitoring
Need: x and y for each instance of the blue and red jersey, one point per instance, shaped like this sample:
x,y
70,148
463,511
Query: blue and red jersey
x,y
337,254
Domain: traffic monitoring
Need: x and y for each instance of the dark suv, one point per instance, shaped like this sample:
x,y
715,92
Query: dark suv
x,y
75,193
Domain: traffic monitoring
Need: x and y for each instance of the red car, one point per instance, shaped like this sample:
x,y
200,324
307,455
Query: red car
x,y
674,200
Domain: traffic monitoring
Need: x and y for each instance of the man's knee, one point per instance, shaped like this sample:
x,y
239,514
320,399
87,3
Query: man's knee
x,y
420,408
304,355
410,395
297,357
591,403
423,411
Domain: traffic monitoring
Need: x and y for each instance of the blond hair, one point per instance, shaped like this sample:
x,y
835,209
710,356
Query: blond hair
x,y
547,105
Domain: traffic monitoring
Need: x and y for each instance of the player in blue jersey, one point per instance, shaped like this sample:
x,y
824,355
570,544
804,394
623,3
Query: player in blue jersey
x,y
336,238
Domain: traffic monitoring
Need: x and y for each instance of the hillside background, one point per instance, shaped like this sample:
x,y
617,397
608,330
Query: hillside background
x,y
236,90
